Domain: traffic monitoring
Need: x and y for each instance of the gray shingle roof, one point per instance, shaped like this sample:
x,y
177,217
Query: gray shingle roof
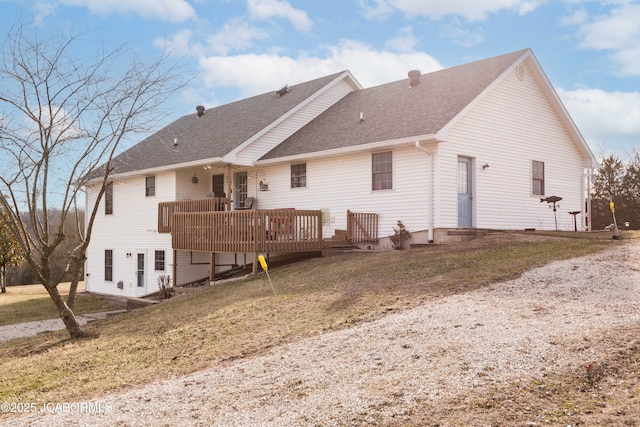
x,y
217,132
396,110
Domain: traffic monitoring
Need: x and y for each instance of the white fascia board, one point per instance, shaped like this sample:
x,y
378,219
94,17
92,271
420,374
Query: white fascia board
x,y
350,150
160,169
231,156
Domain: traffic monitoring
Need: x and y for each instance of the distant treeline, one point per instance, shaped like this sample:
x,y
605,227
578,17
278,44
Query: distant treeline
x,y
618,182
24,274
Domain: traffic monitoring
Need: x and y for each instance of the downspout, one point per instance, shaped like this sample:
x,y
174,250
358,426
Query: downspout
x,y
586,197
432,190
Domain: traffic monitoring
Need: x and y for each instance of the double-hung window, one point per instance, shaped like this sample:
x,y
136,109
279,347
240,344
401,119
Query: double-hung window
x,y
218,185
299,175
150,186
108,199
537,178
108,265
382,171
159,261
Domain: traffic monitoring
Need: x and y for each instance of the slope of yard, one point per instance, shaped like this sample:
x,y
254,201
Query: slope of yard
x,y
230,323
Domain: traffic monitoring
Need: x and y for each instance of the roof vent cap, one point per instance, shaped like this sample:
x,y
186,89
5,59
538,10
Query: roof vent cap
x,y
414,77
283,91
200,110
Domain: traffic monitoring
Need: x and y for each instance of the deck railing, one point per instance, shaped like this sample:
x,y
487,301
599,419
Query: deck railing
x,y
362,227
248,231
166,209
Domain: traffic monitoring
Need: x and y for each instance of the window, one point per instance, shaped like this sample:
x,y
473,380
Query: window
x,y
241,189
299,175
108,265
159,261
218,185
537,174
108,199
382,171
150,186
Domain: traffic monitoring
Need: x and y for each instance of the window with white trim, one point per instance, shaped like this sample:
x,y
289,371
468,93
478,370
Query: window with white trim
x,y
537,178
160,261
299,175
108,199
382,171
150,186
108,265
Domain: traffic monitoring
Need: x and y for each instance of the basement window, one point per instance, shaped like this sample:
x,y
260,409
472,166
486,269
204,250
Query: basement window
x,y
159,261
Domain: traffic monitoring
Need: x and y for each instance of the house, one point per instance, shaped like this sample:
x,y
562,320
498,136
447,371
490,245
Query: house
x,y
477,146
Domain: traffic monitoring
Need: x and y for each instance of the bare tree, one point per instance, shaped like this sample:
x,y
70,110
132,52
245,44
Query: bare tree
x,y
62,120
9,254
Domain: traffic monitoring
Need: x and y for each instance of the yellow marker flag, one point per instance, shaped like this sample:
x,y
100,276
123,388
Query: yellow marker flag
x,y
263,263
612,206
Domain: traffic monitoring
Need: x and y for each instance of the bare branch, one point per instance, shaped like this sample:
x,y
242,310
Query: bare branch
x,y
62,122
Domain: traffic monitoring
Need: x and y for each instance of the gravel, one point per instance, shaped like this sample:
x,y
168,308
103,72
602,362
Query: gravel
x,y
548,319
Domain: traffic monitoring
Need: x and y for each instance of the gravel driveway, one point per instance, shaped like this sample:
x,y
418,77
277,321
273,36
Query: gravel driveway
x,y
376,372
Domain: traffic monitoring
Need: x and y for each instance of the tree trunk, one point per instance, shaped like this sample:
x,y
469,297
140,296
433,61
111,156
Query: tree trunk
x,y
76,271
73,291
66,314
3,278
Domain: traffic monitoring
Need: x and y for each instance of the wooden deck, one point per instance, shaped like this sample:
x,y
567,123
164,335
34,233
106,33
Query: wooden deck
x,y
208,225
209,204
247,231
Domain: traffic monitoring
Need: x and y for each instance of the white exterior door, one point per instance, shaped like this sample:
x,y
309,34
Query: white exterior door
x,y
141,279
465,193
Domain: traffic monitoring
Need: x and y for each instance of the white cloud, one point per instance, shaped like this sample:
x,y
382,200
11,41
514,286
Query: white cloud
x,y
369,66
453,30
617,32
180,43
166,10
404,42
266,9
41,10
609,121
471,10
235,35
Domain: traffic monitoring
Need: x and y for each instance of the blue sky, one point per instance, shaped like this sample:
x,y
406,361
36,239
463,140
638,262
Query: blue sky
x,y
590,50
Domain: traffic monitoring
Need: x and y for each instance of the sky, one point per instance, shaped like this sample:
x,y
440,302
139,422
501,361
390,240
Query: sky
x,y
233,49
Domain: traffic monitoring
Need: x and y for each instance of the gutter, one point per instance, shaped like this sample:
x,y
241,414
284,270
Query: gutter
x,y
346,150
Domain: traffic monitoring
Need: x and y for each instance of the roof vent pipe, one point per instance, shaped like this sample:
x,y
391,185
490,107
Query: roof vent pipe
x,y
200,110
414,78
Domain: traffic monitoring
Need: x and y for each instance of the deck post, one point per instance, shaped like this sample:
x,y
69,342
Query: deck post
x,y
254,268
212,267
175,267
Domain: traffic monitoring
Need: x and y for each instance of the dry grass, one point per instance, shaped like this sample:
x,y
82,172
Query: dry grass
x,y
31,302
232,320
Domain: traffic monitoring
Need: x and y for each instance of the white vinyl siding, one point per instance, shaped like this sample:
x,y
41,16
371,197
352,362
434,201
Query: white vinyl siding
x,y
328,188
506,129
293,123
132,227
